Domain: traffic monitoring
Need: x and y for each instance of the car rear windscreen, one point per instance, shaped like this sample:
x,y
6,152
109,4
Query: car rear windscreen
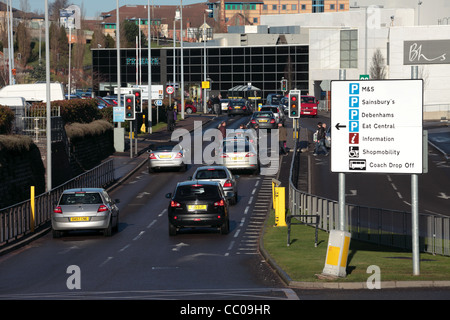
x,y
81,198
211,174
197,192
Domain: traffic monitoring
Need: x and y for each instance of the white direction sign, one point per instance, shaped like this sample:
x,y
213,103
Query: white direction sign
x,y
377,126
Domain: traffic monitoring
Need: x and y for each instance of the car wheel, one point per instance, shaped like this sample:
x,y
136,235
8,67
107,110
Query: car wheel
x,y
116,226
108,231
188,110
225,227
172,230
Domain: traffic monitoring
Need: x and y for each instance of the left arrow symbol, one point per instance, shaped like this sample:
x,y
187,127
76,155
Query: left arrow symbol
x,y
340,126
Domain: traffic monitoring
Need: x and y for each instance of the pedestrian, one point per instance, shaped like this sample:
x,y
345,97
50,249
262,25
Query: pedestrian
x,y
223,129
282,137
216,103
171,117
320,140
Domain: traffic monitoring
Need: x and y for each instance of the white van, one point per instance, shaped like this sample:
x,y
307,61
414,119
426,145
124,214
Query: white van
x,y
35,92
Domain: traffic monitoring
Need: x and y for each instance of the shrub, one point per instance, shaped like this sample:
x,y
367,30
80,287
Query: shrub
x,y
6,120
80,130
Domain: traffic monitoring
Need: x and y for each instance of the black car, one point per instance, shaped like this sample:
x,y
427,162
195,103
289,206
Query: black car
x,y
239,106
198,204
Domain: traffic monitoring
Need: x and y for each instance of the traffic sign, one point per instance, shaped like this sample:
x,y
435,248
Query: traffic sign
x,y
377,126
170,90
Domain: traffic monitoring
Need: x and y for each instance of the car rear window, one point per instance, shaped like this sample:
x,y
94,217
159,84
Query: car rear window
x,y
273,109
263,115
168,148
81,198
197,192
236,147
211,174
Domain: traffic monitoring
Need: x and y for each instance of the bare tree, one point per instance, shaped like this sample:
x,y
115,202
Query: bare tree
x,y
378,67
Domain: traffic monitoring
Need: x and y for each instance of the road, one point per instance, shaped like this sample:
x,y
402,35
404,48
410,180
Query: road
x,y
143,261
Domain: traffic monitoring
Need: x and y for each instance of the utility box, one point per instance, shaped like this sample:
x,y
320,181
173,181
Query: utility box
x,y
337,254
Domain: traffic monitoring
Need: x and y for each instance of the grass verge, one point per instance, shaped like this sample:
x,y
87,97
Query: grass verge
x,y
302,260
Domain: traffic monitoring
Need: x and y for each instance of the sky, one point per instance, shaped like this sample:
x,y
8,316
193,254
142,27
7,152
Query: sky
x,y
93,8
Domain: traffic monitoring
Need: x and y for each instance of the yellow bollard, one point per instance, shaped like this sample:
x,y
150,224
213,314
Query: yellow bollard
x,y
280,208
32,204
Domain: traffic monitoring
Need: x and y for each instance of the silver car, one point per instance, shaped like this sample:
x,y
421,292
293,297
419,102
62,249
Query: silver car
x,y
85,209
239,156
277,111
166,156
222,175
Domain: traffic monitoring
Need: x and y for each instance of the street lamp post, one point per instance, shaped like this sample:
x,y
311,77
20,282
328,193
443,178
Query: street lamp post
x,y
204,56
182,63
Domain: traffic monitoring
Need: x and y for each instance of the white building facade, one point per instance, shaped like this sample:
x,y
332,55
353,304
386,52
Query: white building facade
x,y
344,41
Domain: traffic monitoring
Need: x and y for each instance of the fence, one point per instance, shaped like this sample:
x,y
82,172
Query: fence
x,y
375,225
15,221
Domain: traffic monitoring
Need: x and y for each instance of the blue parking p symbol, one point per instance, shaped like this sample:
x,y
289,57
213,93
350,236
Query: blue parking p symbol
x,y
353,102
353,114
354,88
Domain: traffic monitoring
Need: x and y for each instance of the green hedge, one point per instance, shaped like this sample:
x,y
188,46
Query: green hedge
x,y
6,120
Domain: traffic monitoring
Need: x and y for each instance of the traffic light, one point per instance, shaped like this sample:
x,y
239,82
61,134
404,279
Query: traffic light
x,y
130,113
284,85
294,104
137,100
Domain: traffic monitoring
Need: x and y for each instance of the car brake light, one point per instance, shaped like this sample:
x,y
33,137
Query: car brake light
x,y
253,121
179,155
152,156
219,203
224,155
102,208
174,204
272,121
250,154
244,107
227,183
57,210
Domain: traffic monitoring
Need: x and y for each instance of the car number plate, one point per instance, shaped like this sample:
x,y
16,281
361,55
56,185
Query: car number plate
x,y
237,107
165,156
197,207
262,120
306,112
237,158
76,219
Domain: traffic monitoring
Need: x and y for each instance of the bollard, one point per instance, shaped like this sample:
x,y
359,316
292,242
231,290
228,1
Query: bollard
x,y
337,254
32,204
280,210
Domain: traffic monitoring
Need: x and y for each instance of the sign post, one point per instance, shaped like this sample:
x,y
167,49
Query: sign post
x,y
374,125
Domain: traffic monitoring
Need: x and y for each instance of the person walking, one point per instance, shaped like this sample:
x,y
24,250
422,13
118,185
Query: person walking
x,y
282,137
320,142
223,129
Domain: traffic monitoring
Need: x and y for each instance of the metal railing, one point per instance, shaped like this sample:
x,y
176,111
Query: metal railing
x,y
376,225
16,220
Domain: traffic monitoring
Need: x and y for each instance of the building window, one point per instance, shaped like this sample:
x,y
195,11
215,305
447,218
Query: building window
x,y
303,6
349,49
283,7
264,6
255,20
274,7
294,7
332,7
318,6
341,7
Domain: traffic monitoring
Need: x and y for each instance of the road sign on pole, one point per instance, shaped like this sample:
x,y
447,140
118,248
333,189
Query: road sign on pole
x,y
170,90
377,126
